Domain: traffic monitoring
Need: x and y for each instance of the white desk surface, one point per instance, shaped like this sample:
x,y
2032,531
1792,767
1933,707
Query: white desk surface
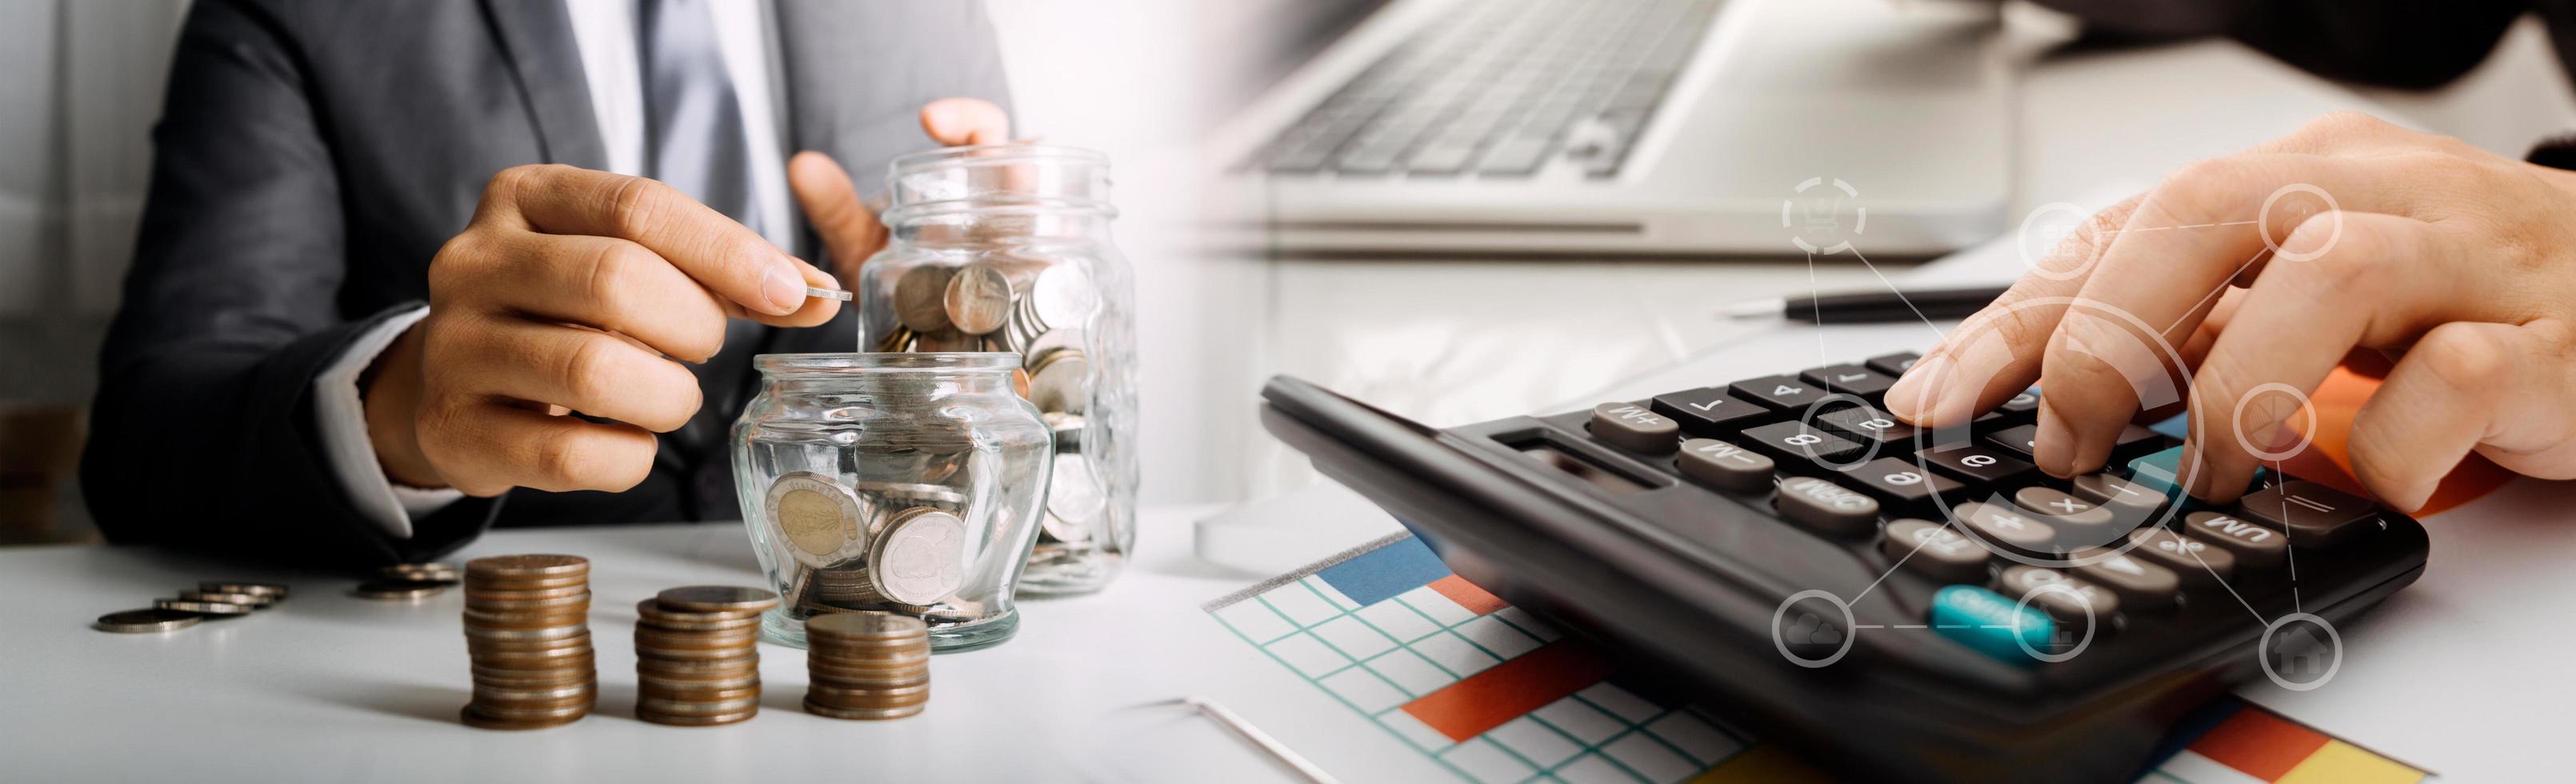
x,y
328,687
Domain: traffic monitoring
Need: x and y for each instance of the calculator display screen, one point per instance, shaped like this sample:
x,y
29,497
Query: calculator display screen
x,y
1581,468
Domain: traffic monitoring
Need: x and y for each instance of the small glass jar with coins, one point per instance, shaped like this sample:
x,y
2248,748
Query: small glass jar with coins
x,y
897,483
1007,248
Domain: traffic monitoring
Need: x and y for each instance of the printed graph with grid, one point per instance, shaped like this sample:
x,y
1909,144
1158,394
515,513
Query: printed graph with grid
x,y
1489,691
1496,695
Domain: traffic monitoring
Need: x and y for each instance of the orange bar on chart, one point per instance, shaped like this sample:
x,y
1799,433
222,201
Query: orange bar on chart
x,y
1467,594
1487,699
2259,743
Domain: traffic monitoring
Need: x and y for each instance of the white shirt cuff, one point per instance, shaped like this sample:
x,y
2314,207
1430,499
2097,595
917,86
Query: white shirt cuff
x,y
342,417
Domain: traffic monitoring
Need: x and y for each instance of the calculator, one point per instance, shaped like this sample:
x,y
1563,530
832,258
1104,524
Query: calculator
x,y
1894,603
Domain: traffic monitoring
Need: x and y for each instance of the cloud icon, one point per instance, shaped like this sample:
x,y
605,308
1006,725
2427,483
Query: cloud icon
x,y
1811,630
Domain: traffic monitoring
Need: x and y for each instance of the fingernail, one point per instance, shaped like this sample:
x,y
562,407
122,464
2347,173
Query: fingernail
x,y
2054,451
784,288
1911,398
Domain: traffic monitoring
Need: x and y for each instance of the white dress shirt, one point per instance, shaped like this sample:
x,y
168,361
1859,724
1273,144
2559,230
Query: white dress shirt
x,y
605,32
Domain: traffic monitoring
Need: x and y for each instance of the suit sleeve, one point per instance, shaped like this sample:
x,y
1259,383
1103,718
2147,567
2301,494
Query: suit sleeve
x,y
2398,43
203,435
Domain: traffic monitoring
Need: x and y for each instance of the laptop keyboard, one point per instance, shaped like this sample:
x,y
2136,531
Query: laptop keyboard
x,y
1500,87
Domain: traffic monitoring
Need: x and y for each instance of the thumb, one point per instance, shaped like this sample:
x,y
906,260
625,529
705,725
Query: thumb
x,y
831,201
960,121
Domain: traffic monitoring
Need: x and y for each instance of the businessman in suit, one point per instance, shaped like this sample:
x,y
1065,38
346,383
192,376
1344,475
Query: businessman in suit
x,y
391,247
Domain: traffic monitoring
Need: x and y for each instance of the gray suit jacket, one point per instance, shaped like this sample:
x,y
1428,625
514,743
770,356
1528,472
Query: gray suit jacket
x,y
313,155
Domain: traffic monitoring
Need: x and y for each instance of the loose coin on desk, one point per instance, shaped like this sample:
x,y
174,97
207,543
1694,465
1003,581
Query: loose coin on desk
x,y
253,601
399,589
271,590
422,572
210,609
142,621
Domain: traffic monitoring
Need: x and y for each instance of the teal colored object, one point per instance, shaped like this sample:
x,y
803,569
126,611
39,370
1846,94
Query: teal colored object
x,y
2160,470
2179,426
1985,620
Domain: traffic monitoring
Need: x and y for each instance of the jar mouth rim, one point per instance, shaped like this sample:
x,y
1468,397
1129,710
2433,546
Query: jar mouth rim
x,y
834,363
1005,152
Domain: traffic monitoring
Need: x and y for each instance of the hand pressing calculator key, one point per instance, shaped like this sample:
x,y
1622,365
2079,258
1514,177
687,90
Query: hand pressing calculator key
x,y
1896,602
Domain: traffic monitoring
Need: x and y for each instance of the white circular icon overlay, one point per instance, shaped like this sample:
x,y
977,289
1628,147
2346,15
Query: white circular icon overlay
x,y
1781,642
2277,402
2334,647
2263,222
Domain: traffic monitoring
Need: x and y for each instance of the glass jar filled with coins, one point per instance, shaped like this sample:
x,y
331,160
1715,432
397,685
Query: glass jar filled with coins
x,y
1007,248
905,483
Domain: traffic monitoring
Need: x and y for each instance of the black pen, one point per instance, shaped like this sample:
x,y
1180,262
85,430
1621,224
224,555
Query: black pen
x,y
1870,307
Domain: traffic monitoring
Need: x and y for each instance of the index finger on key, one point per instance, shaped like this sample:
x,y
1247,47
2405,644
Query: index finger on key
x,y
2212,225
1995,354
716,251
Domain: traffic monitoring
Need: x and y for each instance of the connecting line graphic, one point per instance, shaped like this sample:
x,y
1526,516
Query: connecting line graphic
x,y
1891,288
2288,550
2221,289
2231,590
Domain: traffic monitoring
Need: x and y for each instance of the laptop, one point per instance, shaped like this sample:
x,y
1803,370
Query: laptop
x,y
1627,127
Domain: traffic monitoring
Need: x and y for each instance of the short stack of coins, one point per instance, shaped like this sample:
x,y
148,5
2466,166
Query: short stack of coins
x,y
865,665
697,657
527,626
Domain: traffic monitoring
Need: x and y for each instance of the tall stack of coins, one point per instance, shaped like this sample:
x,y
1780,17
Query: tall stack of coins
x,y
527,627
866,665
697,662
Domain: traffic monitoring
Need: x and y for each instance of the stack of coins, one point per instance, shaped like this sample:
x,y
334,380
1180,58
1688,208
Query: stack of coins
x,y
527,627
410,581
866,665
697,662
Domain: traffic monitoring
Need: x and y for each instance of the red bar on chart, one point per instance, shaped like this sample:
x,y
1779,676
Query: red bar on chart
x,y
1487,699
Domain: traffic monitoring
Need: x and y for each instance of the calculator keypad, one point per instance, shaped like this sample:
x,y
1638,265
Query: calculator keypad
x,y
1837,470
1725,465
1632,426
1779,392
1710,412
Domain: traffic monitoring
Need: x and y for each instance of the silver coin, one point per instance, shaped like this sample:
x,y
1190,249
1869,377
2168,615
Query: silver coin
x,y
424,572
203,608
1038,351
716,598
921,558
1074,499
920,296
271,590
141,621
1059,384
243,599
1062,296
819,517
399,589
978,299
